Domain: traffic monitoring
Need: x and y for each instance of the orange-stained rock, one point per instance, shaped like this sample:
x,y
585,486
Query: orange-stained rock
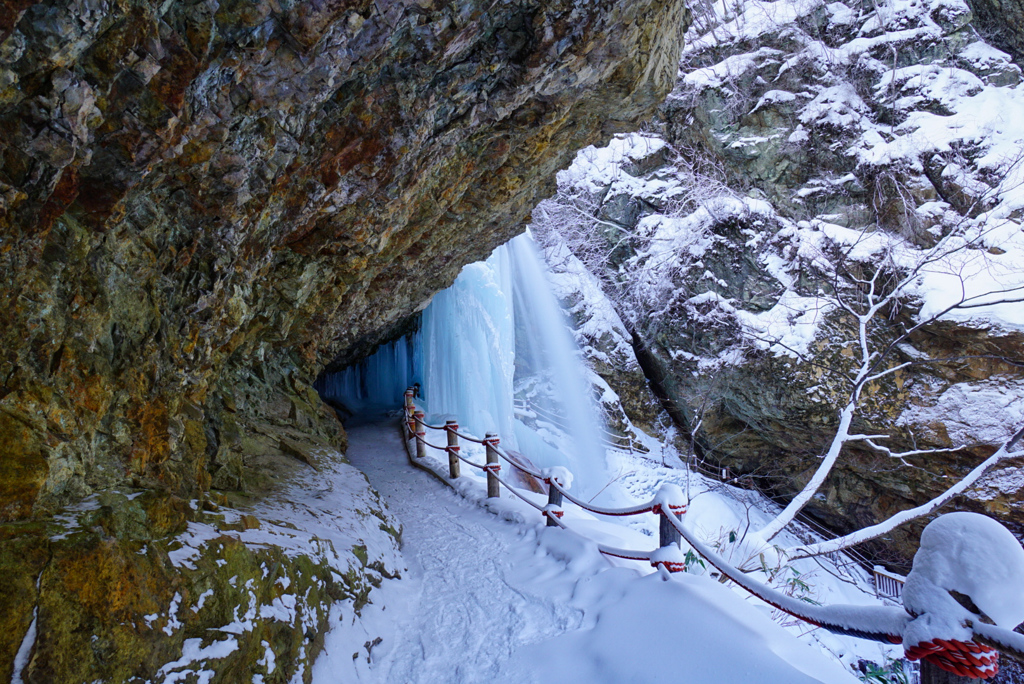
x,y
201,200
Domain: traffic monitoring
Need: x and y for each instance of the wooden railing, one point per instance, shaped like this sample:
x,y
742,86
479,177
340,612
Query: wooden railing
x,y
668,503
888,585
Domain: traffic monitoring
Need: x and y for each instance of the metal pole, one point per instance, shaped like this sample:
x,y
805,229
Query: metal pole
x,y
450,426
493,486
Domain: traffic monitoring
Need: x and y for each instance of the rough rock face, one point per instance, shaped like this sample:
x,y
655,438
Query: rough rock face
x,y
1002,24
781,126
196,197
771,416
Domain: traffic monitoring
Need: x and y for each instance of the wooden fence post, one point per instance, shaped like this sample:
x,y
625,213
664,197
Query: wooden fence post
x,y
669,501
421,436
554,500
668,534
410,409
493,486
933,674
450,426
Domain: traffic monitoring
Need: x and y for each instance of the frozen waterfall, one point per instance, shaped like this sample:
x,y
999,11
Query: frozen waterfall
x,y
494,351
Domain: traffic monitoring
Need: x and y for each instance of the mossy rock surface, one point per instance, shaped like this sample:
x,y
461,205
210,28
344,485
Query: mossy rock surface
x,y
138,586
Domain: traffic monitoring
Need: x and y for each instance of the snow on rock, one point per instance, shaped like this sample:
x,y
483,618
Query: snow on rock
x,y
597,168
973,555
987,412
194,652
810,144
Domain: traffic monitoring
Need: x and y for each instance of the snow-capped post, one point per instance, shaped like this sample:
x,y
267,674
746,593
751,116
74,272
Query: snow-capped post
x,y
964,599
492,467
421,435
450,426
670,500
554,502
563,478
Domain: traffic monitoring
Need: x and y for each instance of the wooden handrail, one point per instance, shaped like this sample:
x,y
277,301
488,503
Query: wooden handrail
x,y
888,585
413,429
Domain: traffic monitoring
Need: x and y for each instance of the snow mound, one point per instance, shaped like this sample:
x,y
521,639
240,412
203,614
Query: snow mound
x,y
689,629
973,555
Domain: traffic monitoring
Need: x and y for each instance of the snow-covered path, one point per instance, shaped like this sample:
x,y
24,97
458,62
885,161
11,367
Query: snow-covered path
x,y
475,575
485,600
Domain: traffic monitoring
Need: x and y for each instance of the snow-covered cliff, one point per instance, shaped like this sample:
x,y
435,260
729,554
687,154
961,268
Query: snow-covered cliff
x,y
814,158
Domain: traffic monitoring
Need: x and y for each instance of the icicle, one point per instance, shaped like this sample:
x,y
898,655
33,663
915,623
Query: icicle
x,y
551,375
377,383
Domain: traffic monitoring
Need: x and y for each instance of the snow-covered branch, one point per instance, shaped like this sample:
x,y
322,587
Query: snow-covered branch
x,y
1004,452
906,454
787,515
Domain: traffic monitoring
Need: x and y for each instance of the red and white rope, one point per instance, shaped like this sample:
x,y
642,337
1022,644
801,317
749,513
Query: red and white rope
x,y
963,658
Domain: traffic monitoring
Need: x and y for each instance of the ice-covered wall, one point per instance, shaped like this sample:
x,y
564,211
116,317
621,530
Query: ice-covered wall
x,y
498,333
376,383
468,348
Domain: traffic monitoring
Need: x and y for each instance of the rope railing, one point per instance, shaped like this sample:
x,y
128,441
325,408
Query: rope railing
x,y
468,438
632,510
977,658
527,500
668,502
416,417
433,446
516,463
